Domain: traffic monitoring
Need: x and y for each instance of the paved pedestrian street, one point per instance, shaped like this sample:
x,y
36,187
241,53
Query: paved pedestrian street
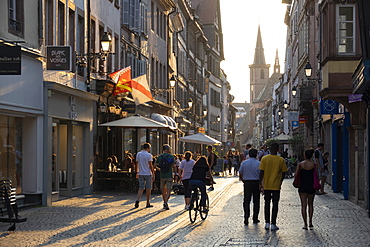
x,y
110,219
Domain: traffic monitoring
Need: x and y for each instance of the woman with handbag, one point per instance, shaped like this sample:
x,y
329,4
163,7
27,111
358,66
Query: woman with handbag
x,y
305,180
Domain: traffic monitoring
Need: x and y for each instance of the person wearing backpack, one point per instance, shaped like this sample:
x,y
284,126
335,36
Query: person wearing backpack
x,y
166,165
212,161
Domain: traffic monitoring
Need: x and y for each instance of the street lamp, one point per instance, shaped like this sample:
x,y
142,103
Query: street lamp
x,y
84,60
285,104
218,118
308,69
103,107
172,81
190,103
294,91
205,111
112,109
279,112
105,42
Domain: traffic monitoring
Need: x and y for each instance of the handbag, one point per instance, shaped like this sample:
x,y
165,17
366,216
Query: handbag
x,y
297,178
316,181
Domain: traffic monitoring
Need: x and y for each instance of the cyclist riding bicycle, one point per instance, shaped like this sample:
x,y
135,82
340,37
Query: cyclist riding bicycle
x,y
201,169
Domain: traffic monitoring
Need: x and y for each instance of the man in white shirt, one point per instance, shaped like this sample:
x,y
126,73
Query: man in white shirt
x,y
249,173
144,173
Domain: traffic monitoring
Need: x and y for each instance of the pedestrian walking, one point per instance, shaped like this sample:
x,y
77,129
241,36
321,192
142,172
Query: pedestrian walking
x,y
249,174
144,174
230,158
320,167
246,151
273,169
264,151
166,164
325,159
186,169
305,170
236,162
212,161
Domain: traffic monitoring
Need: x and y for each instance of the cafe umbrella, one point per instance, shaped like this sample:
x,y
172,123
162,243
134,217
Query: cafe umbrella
x,y
200,138
136,122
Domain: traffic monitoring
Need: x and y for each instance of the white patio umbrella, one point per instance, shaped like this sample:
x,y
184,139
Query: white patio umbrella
x,y
200,138
136,121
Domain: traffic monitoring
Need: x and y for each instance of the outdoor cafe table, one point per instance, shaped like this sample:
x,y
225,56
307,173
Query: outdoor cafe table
x,y
117,180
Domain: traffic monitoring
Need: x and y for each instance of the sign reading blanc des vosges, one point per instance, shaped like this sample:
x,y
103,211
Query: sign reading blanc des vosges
x,y
58,58
10,60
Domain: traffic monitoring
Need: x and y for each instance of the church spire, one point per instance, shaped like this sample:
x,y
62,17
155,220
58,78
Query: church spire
x,y
259,55
277,64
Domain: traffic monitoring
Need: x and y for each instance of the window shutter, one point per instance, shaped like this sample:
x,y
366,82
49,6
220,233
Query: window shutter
x,y
132,14
126,8
142,67
137,16
142,15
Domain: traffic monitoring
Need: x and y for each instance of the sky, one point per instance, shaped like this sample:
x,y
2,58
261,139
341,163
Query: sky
x,y
240,20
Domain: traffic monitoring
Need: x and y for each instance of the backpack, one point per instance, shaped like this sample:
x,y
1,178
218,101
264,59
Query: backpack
x,y
164,164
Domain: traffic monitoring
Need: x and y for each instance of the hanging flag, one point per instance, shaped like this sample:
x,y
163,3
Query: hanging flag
x,y
122,78
140,90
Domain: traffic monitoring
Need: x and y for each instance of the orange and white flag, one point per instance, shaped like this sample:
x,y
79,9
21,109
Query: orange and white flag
x,y
140,90
122,78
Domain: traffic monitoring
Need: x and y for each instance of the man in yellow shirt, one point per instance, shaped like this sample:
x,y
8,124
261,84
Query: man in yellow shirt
x,y
273,169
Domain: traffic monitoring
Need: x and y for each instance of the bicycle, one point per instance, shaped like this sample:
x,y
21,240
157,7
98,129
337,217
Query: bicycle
x,y
195,206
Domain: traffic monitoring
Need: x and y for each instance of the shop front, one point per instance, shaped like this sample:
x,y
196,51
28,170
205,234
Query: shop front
x,y
21,124
69,148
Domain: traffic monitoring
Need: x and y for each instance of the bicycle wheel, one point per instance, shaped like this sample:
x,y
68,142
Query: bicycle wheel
x,y
204,212
194,207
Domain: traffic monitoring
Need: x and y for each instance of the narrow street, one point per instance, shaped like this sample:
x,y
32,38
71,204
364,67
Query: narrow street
x,y
110,219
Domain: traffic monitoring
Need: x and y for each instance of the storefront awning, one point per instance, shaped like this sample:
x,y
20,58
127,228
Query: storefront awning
x,y
165,120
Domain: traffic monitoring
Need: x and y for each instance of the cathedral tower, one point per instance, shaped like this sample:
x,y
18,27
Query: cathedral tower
x,y
259,70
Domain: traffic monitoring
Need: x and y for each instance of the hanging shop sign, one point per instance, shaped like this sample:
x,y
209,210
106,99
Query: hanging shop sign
x,y
303,119
58,58
352,98
202,130
10,60
129,108
329,107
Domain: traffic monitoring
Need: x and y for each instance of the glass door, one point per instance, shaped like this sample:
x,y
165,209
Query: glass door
x,y
77,155
63,156
54,159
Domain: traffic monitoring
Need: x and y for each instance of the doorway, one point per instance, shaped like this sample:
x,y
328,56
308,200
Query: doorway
x,y
67,158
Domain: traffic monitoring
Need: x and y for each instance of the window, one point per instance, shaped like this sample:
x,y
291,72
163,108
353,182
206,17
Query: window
x,y
217,42
15,23
11,150
72,35
152,16
61,22
49,22
131,14
345,29
262,74
80,40
143,18
215,98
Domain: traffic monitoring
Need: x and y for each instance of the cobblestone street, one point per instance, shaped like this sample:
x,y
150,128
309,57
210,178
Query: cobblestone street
x,y
110,219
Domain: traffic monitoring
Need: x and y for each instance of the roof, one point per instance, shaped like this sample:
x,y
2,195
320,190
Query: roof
x,y
259,54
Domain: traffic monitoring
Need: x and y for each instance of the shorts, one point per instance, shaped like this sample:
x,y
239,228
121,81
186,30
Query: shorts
x,y
324,173
145,182
187,190
166,182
